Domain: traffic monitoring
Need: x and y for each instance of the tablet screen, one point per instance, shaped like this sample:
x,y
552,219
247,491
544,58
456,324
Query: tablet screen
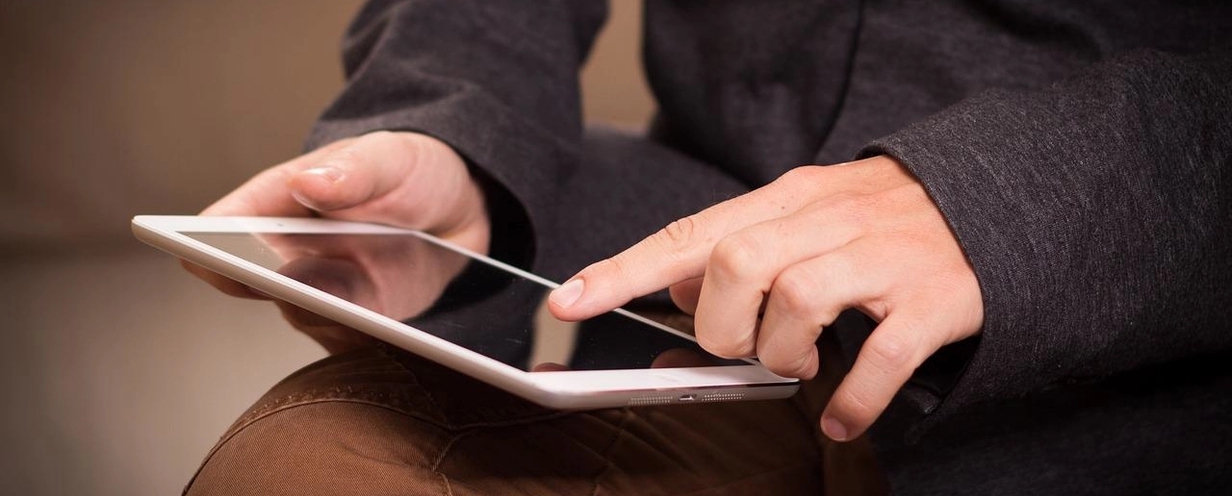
x,y
471,303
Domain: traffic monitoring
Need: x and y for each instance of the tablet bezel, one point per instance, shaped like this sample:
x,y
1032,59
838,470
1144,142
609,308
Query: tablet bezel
x,y
562,389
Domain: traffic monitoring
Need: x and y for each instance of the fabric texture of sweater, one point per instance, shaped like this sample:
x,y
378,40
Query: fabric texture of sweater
x,y
1080,151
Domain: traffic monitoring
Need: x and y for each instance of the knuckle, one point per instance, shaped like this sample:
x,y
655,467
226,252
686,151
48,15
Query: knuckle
x,y
889,352
798,182
724,345
679,234
735,255
803,173
798,293
797,365
856,403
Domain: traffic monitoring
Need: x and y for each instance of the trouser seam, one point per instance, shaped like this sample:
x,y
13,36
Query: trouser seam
x,y
242,427
469,422
607,459
436,464
431,399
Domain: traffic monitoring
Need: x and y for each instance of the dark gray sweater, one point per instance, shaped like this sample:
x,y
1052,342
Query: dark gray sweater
x,y
1081,151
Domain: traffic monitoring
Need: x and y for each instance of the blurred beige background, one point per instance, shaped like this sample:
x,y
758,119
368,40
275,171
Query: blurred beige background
x,y
120,371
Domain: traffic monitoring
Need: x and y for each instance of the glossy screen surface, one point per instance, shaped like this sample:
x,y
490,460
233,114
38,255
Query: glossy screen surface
x,y
466,301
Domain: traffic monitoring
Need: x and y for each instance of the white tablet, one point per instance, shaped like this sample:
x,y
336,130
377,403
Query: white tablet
x,y
476,315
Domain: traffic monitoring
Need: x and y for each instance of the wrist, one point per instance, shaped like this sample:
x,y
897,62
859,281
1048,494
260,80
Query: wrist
x,y
508,233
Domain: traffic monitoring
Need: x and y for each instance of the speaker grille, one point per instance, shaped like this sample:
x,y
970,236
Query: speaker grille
x,y
676,398
651,400
732,396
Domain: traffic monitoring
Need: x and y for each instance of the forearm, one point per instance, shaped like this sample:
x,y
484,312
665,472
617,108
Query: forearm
x,y
497,81
1094,213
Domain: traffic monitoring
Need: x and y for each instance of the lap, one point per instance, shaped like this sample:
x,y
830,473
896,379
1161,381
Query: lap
x,y
378,420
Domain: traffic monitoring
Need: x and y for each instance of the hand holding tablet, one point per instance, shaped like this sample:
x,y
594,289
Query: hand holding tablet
x,y
429,289
395,178
460,309
386,274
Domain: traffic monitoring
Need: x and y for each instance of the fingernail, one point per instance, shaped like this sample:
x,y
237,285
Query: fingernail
x,y
834,429
331,174
567,294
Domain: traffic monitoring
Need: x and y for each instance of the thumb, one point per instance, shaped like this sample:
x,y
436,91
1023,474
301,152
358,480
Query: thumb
x,y
366,169
396,178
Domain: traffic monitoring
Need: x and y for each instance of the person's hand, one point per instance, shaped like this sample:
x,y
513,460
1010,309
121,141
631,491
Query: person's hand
x,y
396,276
397,178
764,272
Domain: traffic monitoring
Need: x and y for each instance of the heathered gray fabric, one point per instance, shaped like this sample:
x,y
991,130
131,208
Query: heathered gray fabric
x,y
1087,179
1098,217
1092,205
495,80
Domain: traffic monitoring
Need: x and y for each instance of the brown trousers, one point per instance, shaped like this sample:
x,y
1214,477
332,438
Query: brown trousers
x,y
382,421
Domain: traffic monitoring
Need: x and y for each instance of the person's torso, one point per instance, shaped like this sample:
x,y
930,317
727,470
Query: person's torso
x,y
759,87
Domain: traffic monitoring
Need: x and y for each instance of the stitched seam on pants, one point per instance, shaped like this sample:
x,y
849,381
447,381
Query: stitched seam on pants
x,y
340,393
522,417
607,461
420,417
236,431
345,394
436,464
431,399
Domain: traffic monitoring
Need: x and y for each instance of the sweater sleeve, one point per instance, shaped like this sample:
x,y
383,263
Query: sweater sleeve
x,y
1097,214
497,81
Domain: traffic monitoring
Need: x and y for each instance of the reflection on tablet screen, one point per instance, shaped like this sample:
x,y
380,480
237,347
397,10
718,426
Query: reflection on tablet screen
x,y
468,302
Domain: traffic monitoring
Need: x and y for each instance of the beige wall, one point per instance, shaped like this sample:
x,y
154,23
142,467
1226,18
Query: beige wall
x,y
120,371
140,106
614,89
123,106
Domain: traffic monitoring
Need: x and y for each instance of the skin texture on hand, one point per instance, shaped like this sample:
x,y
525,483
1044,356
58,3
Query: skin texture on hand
x,y
765,272
396,178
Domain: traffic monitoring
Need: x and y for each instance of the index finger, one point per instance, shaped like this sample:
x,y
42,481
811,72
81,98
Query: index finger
x,y
673,254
